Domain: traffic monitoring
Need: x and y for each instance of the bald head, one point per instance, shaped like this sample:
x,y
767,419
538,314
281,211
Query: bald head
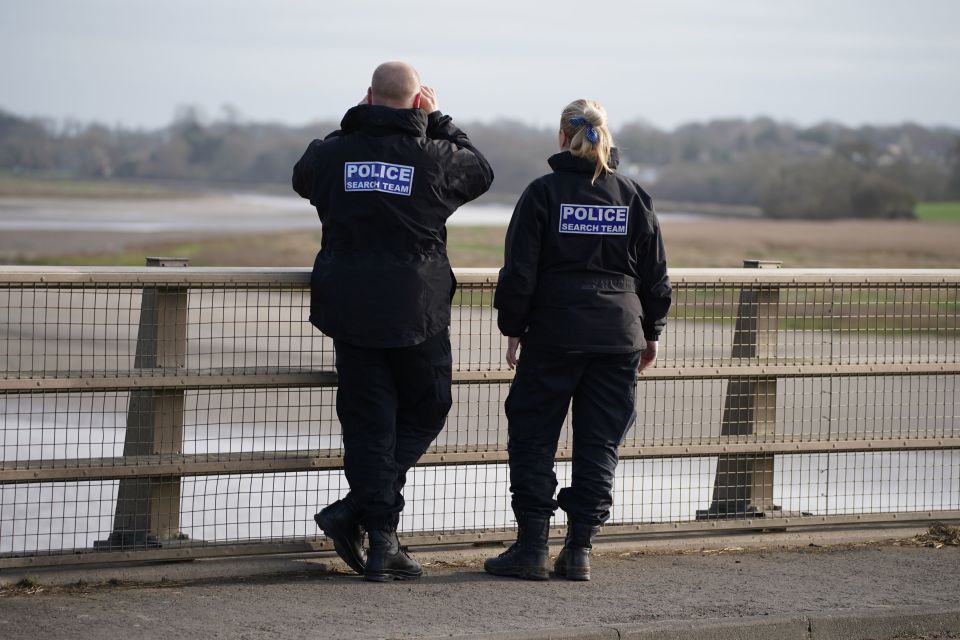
x,y
394,84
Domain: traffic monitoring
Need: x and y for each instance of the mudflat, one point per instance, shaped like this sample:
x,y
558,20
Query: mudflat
x,y
252,230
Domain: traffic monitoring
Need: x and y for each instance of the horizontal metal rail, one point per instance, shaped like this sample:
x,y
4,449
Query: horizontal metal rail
x,y
293,461
259,379
300,277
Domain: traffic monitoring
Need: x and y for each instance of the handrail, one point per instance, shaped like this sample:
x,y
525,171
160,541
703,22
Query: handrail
x,y
300,276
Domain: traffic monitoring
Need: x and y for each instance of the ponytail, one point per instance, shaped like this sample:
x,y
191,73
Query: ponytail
x,y
584,122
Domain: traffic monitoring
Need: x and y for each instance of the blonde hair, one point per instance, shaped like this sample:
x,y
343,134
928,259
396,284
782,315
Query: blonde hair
x,y
578,119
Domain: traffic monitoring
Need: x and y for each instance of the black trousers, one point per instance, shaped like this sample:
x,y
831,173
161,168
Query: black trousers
x,y
392,403
602,388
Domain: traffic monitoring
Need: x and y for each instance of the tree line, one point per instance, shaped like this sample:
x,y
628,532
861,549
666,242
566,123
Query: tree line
x,y
826,170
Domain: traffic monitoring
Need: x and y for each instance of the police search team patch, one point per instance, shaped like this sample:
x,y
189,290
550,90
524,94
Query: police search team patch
x,y
378,176
605,220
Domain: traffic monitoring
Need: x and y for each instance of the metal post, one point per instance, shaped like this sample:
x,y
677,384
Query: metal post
x,y
148,509
743,486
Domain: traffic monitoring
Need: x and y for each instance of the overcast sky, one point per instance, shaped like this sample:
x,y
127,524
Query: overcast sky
x,y
133,62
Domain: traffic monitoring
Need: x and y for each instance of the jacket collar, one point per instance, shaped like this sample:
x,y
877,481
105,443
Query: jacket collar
x,y
378,120
566,161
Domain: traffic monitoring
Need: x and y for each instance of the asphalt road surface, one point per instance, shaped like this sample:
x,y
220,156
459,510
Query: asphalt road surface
x,y
315,598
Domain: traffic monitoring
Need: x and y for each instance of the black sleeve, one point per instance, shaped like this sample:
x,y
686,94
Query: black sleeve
x,y
518,277
468,174
305,171
654,288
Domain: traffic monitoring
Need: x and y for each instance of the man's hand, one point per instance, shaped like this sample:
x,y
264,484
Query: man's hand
x,y
512,345
647,356
428,99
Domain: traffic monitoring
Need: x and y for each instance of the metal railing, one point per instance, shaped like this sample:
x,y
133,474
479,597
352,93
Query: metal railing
x,y
174,412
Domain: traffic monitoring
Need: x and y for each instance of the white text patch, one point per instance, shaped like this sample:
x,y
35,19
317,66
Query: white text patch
x,y
378,176
608,220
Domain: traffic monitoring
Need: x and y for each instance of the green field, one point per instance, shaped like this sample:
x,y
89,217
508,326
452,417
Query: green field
x,y
938,211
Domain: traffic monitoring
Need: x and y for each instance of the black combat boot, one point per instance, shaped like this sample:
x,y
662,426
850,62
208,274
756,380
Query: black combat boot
x,y
527,557
341,523
574,560
385,559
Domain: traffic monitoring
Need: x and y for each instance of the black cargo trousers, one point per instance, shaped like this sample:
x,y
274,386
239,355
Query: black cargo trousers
x,y
602,388
392,403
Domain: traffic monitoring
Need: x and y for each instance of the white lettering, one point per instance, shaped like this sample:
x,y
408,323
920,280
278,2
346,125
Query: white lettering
x,y
594,219
378,176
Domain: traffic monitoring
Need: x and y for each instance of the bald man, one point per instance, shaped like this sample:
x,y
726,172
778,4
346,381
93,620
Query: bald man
x,y
384,185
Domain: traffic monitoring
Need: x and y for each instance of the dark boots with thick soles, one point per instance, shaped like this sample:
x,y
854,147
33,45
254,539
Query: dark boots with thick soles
x,y
341,523
527,557
385,559
573,563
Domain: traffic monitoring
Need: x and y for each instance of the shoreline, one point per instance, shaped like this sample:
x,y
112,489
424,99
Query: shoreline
x,y
263,230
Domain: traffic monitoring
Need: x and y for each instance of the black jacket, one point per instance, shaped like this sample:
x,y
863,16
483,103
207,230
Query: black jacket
x,y
384,186
585,269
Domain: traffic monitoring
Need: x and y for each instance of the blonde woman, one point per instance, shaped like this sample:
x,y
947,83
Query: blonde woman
x,y
584,290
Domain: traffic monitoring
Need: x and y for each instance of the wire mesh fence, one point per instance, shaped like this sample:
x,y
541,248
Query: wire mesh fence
x,y
191,411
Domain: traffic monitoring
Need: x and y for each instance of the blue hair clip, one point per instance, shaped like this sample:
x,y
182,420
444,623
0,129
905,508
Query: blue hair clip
x,y
591,133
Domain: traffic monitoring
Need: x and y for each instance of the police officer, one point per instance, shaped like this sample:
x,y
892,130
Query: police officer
x,y
584,290
384,185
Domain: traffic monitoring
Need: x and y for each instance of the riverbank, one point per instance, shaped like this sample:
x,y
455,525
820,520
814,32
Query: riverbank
x,y
258,230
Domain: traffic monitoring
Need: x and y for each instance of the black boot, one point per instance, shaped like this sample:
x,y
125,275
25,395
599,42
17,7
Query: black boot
x,y
527,557
574,560
386,560
341,523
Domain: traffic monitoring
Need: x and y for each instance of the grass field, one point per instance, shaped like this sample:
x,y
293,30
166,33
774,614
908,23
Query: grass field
x,y
939,211
707,243
54,186
468,247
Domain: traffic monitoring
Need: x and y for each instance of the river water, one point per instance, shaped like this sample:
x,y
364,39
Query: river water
x,y
242,213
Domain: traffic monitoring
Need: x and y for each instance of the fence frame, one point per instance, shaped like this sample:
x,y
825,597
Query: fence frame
x,y
151,466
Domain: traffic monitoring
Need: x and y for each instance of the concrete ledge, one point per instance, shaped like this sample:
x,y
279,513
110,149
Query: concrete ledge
x,y
144,573
572,633
751,628
883,623
863,624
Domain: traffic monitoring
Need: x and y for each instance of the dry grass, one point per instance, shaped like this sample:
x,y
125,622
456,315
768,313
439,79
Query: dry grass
x,y
63,187
27,585
846,243
705,243
938,535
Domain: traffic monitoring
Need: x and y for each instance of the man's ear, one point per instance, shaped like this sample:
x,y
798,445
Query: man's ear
x,y
370,95
416,100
